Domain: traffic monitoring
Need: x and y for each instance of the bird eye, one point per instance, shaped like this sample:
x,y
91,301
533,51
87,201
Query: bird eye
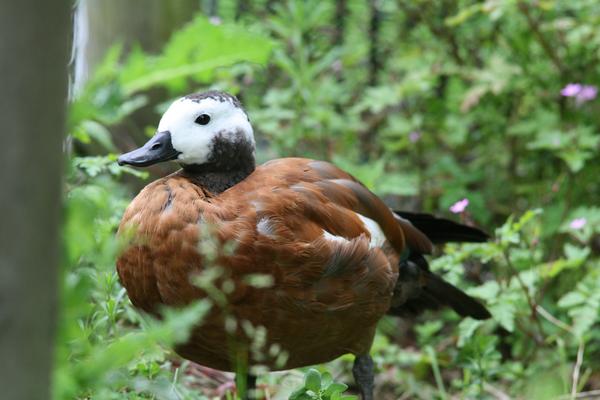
x,y
203,119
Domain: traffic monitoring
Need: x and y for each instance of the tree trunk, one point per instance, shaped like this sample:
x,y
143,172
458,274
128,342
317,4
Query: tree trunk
x,y
102,23
34,44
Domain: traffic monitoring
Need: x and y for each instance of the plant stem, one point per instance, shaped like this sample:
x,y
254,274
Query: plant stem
x,y
436,372
580,348
534,25
530,300
374,51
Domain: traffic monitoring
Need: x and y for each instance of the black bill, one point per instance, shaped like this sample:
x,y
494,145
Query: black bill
x,y
156,150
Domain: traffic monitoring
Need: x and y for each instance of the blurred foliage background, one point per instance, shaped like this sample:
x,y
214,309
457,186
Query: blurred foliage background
x,y
427,103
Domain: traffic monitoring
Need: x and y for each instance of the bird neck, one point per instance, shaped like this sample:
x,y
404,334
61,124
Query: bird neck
x,y
231,165
215,181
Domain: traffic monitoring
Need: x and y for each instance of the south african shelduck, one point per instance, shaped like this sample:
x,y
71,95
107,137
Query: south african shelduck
x,y
338,259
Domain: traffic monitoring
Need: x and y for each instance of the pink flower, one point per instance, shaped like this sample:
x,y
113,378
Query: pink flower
x,y
414,136
459,206
571,90
578,223
587,93
582,93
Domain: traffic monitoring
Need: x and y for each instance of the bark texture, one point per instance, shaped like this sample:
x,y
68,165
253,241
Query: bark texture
x,y
34,52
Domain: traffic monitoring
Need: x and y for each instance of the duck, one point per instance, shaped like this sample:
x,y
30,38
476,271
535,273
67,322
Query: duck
x,y
333,258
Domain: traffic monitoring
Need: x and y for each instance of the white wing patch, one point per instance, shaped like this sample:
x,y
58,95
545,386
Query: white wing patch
x,y
377,236
265,227
334,238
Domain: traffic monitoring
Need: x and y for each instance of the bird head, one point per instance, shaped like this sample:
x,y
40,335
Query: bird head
x,y
209,129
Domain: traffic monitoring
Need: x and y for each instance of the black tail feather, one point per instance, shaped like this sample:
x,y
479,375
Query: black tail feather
x,y
441,230
415,307
438,293
459,301
418,289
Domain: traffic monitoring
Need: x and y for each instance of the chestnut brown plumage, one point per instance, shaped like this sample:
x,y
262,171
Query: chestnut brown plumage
x,y
338,257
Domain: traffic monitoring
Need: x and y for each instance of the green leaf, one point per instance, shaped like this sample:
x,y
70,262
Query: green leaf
x,y
583,305
463,15
466,329
572,299
335,388
298,394
398,184
312,380
576,256
487,291
99,133
184,56
504,312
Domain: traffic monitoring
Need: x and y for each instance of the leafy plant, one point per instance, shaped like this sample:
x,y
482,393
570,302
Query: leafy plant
x,y
319,386
426,103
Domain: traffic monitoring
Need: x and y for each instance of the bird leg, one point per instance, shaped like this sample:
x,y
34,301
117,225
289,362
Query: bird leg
x,y
251,391
246,386
364,375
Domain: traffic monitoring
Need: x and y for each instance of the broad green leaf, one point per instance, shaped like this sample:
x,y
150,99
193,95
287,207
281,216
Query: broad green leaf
x,y
312,380
194,53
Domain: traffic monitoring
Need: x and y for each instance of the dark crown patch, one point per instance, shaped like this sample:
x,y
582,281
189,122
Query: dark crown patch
x,y
214,95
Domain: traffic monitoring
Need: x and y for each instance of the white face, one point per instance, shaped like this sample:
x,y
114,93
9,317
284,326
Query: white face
x,y
195,141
